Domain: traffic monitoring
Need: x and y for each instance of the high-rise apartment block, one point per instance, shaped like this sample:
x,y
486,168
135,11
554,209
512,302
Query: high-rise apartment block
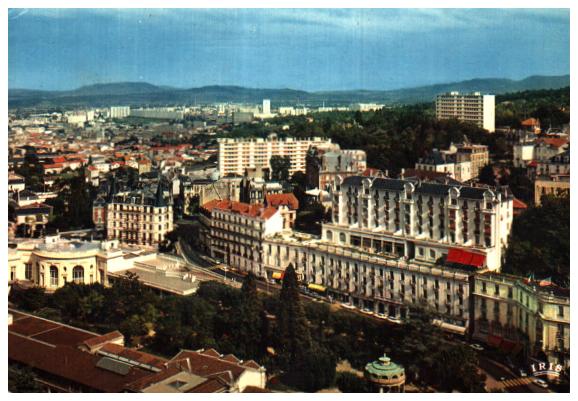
x,y
266,106
119,112
469,107
238,155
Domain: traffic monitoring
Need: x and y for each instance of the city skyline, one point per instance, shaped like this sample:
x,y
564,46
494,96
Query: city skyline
x,y
312,49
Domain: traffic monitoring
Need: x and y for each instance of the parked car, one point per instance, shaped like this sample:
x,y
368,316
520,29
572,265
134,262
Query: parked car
x,y
541,383
477,347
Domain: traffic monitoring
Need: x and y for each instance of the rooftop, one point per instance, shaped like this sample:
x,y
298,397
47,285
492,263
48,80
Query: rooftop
x,y
276,200
255,211
384,368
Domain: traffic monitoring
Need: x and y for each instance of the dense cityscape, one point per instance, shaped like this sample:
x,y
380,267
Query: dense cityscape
x,y
281,244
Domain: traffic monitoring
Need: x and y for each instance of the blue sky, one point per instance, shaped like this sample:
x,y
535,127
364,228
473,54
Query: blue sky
x,y
309,49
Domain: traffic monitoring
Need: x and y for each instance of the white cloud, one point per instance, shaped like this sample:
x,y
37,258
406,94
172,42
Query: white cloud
x,y
383,20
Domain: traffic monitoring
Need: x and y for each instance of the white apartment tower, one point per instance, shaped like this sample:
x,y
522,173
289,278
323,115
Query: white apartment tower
x,y
119,111
469,107
266,106
238,155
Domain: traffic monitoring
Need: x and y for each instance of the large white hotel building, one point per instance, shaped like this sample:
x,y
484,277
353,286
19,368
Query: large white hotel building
x,y
392,245
469,107
237,155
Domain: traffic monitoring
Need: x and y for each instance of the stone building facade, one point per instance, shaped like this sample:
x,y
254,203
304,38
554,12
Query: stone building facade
x,y
533,316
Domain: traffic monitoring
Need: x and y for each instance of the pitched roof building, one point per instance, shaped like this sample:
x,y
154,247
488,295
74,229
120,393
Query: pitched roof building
x,y
69,359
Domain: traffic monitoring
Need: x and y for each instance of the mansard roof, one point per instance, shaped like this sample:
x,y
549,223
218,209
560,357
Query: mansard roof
x,y
425,188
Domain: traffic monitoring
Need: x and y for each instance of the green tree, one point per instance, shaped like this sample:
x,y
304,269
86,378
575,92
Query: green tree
x,y
280,166
30,299
247,320
22,380
540,241
350,383
314,370
193,205
456,368
294,339
487,175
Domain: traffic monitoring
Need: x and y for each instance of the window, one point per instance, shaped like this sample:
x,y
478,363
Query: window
x,y
53,276
78,274
560,311
484,287
28,271
496,289
510,293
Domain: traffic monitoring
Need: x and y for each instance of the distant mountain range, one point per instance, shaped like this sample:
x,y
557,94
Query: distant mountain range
x,y
146,94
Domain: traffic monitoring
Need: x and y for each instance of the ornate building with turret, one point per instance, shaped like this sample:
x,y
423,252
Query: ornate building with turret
x,y
139,217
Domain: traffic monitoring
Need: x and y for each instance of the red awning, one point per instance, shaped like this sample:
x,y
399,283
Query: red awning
x,y
454,256
465,258
478,260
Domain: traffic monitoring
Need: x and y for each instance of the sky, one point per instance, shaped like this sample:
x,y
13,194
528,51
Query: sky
x,y
307,49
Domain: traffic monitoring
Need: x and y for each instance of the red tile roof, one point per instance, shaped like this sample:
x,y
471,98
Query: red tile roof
x,y
209,386
231,358
103,339
276,200
207,364
244,209
133,355
34,206
554,142
52,347
52,165
518,204
531,122
69,363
